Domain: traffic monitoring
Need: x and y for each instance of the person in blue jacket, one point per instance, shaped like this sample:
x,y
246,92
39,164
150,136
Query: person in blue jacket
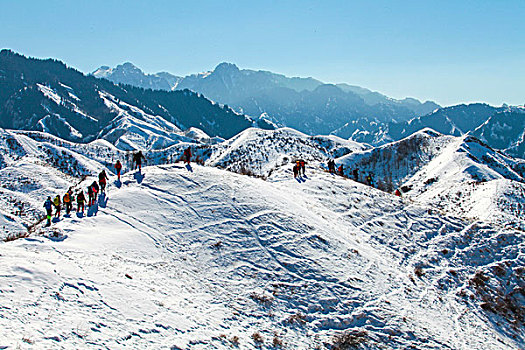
x,y
48,204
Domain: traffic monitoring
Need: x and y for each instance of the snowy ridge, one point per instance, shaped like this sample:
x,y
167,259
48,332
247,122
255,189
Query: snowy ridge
x,y
134,129
203,258
260,152
455,174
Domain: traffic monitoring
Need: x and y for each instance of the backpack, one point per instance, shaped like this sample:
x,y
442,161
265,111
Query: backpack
x,y
48,204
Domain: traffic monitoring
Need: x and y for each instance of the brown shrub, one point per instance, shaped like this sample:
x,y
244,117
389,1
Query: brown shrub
x,y
349,340
257,338
17,235
297,318
261,298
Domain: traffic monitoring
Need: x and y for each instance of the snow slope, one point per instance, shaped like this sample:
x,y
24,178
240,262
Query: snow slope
x,y
206,259
260,152
33,168
459,175
202,258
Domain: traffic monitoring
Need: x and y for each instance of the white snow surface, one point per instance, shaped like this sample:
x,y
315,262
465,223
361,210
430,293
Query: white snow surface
x,y
260,152
203,258
454,174
134,129
49,93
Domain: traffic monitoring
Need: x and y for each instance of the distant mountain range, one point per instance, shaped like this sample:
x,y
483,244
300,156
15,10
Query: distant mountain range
x,y
140,112
351,112
502,128
46,95
305,104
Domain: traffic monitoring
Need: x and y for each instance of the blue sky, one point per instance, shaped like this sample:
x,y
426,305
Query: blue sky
x,y
446,51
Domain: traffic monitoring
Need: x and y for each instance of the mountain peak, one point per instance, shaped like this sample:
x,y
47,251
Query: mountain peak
x,y
226,67
128,66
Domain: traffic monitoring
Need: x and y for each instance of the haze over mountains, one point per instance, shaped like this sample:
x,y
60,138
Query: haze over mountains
x,y
46,95
344,110
305,104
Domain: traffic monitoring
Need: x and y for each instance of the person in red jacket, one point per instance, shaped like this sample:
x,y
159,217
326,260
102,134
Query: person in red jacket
x,y
102,178
187,155
80,201
302,167
118,168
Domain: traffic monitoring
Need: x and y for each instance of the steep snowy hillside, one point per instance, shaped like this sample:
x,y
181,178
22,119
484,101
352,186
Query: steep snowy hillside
x,y
260,152
460,175
36,165
505,130
134,129
207,259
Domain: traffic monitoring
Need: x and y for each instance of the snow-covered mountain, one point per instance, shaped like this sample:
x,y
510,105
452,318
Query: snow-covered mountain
x,y
129,74
456,120
201,257
500,127
454,174
505,130
261,152
344,110
46,95
305,104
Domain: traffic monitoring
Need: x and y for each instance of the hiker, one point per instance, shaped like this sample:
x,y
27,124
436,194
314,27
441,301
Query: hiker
x,y
95,189
397,192
137,158
331,166
49,210
118,168
102,177
369,180
356,174
295,171
302,165
80,201
67,202
57,203
187,155
90,195
340,170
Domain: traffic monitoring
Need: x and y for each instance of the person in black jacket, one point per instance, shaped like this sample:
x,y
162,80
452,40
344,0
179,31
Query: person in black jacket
x,y
137,158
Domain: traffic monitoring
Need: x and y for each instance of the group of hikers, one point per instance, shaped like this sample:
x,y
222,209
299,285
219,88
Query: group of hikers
x,y
70,197
299,168
355,173
368,179
93,190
